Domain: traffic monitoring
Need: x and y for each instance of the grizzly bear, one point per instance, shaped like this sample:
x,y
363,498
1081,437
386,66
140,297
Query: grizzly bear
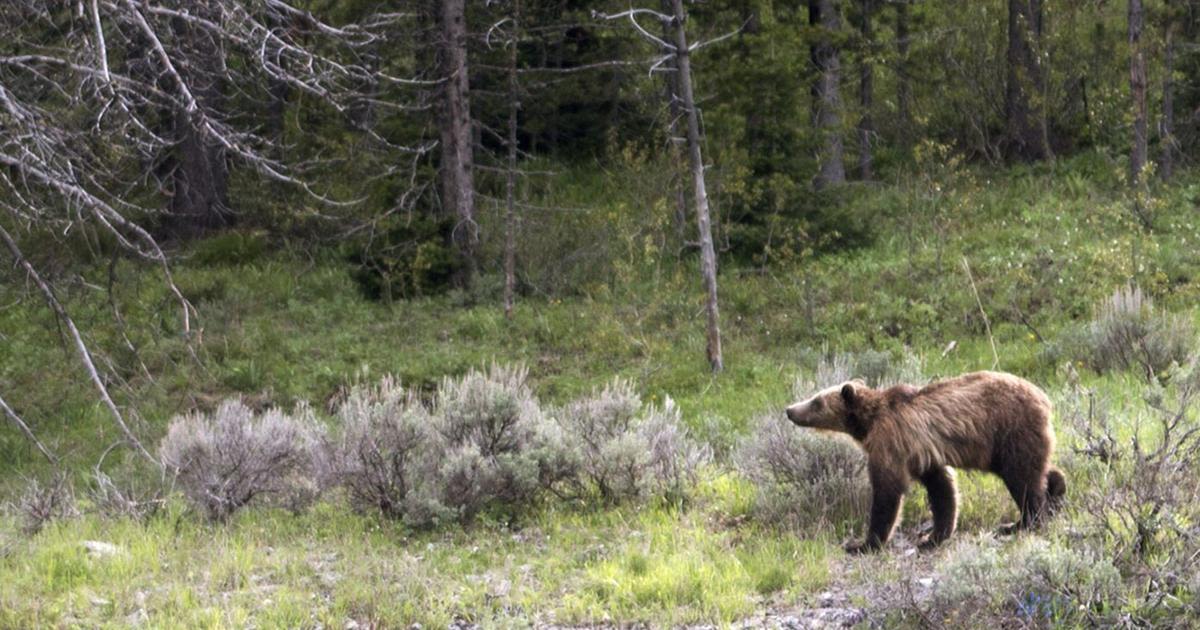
x,y
987,421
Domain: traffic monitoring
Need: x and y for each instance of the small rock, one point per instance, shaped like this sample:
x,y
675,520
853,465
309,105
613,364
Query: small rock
x,y
351,625
137,618
102,549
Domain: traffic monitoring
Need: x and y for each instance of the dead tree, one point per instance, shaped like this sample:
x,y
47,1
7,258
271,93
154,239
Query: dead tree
x,y
1137,89
824,13
457,167
1166,125
510,176
680,52
866,88
671,92
82,137
198,172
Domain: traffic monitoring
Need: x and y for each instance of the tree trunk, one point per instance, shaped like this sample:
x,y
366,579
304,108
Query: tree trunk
x,y
866,80
671,91
1137,87
1024,95
510,182
458,186
708,256
903,75
199,174
829,102
1166,132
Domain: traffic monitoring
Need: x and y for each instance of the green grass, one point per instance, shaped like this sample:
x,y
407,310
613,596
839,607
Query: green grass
x,y
274,569
278,327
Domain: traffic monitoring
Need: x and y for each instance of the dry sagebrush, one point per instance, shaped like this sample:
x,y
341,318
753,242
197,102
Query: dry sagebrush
x,y
42,503
805,478
802,478
380,453
495,445
224,460
622,449
1128,333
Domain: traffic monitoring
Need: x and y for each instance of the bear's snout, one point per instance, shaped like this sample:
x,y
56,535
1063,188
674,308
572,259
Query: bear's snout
x,y
793,414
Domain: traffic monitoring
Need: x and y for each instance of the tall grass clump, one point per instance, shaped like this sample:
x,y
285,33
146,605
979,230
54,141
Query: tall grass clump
x,y
225,459
1128,333
622,449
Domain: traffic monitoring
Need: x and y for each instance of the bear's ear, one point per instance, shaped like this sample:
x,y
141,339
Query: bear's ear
x,y
850,395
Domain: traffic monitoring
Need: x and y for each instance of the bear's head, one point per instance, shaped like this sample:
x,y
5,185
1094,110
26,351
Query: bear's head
x,y
838,408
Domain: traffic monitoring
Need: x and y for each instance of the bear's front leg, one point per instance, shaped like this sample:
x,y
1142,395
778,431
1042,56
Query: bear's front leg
x,y
887,493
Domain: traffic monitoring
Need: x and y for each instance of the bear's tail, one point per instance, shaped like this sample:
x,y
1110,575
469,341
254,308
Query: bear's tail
x,y
1056,488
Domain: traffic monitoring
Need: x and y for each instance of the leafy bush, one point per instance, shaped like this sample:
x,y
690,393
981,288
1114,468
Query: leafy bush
x,y
623,449
408,257
1128,333
224,460
230,248
802,478
380,453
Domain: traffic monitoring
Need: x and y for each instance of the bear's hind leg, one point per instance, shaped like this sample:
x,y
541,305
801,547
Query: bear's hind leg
x,y
1028,489
943,502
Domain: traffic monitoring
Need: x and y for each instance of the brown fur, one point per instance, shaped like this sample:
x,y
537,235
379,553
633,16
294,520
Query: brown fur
x,y
987,421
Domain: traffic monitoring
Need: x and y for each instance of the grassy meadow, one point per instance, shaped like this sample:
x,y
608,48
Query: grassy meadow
x,y
966,268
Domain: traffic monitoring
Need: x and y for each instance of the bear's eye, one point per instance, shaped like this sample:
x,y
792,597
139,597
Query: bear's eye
x,y
817,404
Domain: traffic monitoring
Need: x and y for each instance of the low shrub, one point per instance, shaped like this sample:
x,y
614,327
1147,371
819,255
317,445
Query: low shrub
x,y
1036,581
41,503
495,445
1128,333
381,449
224,460
803,479
622,449
406,256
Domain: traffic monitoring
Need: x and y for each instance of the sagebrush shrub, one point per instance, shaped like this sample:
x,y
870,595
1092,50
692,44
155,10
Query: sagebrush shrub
x,y
495,444
39,504
224,460
622,449
1034,581
876,368
803,478
1128,333
380,452
1140,493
